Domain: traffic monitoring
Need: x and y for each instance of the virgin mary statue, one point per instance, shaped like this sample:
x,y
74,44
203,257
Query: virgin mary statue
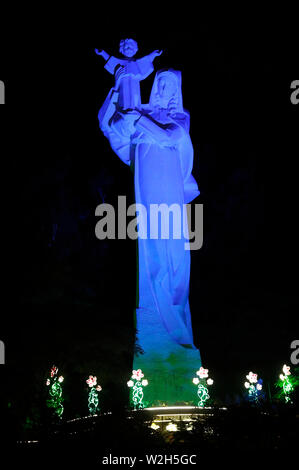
x,y
155,141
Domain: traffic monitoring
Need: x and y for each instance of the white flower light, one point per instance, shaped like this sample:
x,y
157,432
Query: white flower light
x,y
247,385
196,381
61,379
144,383
210,381
286,370
259,386
251,377
130,383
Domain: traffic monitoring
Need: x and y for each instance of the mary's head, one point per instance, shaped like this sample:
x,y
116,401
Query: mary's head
x,y
166,91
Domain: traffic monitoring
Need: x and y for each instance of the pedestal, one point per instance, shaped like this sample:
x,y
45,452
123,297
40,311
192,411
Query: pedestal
x,y
168,366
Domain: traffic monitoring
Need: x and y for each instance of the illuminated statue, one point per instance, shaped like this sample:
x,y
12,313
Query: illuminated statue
x,y
154,139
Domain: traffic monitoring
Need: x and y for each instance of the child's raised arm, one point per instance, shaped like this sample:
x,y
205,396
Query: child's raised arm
x,y
103,54
155,54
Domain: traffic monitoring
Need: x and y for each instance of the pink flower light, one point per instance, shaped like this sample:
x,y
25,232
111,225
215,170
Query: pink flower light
x,y
286,370
137,374
203,373
92,381
54,371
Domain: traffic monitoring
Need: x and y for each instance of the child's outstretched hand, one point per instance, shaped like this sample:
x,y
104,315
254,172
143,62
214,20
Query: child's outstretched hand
x,y
155,54
102,53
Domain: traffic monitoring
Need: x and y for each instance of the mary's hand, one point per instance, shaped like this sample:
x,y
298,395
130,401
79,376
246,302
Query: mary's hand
x,y
172,105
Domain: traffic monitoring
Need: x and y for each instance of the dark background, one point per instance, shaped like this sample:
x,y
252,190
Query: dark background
x,y
69,298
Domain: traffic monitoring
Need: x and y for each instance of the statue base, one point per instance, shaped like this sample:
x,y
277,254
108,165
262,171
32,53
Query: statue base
x,y
169,371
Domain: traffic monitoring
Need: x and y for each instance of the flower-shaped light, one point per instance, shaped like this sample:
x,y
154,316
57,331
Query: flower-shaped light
x,y
137,374
99,388
61,379
92,381
252,377
130,383
144,383
196,381
259,386
247,385
48,382
210,381
203,373
286,370
54,371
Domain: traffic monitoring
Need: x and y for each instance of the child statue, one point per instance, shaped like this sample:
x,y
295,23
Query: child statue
x,y
129,72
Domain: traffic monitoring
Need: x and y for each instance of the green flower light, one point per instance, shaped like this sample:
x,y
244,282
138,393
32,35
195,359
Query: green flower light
x,y
55,392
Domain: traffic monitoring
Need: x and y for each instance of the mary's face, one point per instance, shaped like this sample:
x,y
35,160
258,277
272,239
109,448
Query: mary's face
x,y
166,88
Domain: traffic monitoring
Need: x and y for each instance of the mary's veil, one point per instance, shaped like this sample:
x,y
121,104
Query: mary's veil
x,y
182,118
176,77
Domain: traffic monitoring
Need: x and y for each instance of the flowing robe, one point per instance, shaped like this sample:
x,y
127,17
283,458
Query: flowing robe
x,y
159,149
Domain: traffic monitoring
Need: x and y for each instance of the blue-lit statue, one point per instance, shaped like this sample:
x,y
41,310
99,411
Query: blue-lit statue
x,y
154,139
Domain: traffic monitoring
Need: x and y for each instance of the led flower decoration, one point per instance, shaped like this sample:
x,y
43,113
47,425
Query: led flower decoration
x,y
287,383
55,399
136,384
251,377
92,381
286,370
203,373
201,382
137,374
254,387
93,397
54,371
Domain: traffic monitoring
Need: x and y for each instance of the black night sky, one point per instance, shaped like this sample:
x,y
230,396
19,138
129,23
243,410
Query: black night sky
x,y
71,297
